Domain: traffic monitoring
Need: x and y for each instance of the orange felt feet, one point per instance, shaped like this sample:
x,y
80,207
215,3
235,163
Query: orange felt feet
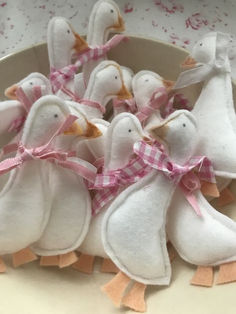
x,y
226,197
23,256
2,266
134,299
115,288
203,277
171,251
67,259
227,273
84,264
49,260
108,266
210,189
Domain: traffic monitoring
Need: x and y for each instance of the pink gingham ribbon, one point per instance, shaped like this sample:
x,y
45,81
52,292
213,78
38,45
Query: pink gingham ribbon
x,y
86,102
127,105
181,175
45,152
37,92
158,98
60,77
149,157
179,100
108,184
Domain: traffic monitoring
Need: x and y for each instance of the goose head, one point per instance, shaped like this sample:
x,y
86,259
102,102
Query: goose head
x,y
27,84
106,82
210,48
63,41
105,18
46,116
179,135
124,130
144,83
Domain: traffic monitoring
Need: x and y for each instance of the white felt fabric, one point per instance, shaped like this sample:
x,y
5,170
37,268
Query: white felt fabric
x,y
144,83
71,205
207,240
133,230
61,41
70,214
119,143
105,83
214,109
104,18
25,200
35,79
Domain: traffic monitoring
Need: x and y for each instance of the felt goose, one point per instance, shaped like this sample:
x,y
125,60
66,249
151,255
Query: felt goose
x,y
71,206
62,41
28,84
123,132
205,241
105,83
104,19
23,95
214,109
133,229
147,85
25,200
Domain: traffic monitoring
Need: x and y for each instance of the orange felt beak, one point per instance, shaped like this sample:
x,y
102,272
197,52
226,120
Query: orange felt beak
x,y
189,63
10,92
74,129
120,25
92,131
168,84
80,44
124,93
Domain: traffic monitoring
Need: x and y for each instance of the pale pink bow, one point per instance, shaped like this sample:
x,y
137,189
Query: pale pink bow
x,y
45,152
60,77
181,175
158,98
126,105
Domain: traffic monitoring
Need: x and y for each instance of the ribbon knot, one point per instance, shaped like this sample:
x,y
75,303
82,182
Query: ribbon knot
x,y
60,77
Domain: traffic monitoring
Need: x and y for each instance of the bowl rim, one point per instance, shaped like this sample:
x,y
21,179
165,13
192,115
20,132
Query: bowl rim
x,y
149,38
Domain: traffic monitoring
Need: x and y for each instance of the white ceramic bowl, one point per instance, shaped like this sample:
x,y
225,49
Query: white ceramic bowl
x,y
33,289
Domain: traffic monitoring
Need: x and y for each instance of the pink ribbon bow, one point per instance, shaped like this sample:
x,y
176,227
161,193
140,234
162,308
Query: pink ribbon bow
x,y
180,101
181,175
37,92
109,183
45,152
158,98
60,77
127,105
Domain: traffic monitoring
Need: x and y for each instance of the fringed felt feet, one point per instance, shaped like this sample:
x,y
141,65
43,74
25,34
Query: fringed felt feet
x,y
226,197
227,273
116,291
134,299
67,259
23,256
203,276
115,288
108,266
49,260
209,189
84,264
3,267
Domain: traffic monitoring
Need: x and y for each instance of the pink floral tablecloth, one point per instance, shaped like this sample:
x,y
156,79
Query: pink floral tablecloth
x,y
181,22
